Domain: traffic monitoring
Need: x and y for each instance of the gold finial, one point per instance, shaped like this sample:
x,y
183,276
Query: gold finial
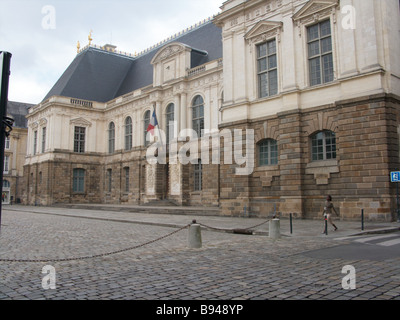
x,y
78,46
90,37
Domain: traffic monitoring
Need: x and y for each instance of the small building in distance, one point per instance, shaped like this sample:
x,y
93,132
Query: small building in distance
x,y
15,152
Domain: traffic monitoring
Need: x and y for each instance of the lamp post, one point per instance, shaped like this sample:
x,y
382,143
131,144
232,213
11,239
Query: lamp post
x,y
5,59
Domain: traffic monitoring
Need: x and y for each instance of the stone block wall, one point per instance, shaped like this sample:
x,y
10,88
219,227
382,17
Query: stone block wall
x,y
367,139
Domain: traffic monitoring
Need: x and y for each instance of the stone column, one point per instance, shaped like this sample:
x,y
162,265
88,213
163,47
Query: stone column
x,y
151,179
183,109
177,115
159,114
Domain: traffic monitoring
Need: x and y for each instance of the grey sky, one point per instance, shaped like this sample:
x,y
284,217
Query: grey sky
x,y
41,54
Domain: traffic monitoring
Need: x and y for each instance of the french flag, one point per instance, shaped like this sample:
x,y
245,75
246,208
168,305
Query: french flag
x,y
153,123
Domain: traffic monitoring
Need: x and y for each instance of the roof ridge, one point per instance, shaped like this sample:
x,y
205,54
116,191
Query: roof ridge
x,y
102,49
170,39
177,35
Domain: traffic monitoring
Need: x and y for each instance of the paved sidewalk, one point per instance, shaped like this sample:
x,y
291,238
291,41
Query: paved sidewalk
x,y
300,227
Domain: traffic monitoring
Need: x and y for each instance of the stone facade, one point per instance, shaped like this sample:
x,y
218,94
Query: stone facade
x,y
15,157
319,129
15,152
368,150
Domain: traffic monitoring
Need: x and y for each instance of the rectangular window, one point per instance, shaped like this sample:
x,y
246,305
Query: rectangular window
x,y
7,145
6,164
267,69
78,180
127,179
128,141
34,142
320,58
79,139
198,176
109,180
43,139
146,123
268,152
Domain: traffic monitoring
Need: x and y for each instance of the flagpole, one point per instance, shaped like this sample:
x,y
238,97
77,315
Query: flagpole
x,y
159,132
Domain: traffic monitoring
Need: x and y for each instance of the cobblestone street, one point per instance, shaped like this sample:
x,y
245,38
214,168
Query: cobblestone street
x,y
228,266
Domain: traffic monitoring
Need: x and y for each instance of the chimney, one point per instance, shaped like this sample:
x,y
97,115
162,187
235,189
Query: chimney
x,y
109,47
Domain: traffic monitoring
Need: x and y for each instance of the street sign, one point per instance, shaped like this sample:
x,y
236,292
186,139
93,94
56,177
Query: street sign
x,y
395,176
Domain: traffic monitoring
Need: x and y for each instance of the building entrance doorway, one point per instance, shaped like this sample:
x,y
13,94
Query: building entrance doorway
x,y
5,197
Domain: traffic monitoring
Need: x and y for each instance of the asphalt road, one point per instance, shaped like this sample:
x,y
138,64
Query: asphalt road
x,y
367,247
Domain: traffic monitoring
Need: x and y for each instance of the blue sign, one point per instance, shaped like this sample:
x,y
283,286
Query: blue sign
x,y
395,176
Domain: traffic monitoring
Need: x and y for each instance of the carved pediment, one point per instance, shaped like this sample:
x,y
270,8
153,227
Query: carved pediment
x,y
81,122
263,30
169,51
314,7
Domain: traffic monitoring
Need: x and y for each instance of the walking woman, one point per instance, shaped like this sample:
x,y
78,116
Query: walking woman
x,y
328,211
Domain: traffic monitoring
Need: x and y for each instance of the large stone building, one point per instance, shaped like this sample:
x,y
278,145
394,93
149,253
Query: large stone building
x,y
314,85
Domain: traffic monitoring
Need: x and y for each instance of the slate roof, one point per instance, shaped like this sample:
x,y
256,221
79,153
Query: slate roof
x,y
18,111
98,75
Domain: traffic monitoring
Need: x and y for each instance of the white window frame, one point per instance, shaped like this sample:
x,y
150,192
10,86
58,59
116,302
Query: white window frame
x,y
6,168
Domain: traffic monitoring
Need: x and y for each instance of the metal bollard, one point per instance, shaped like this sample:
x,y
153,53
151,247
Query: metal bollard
x,y
326,225
291,223
275,229
194,238
362,219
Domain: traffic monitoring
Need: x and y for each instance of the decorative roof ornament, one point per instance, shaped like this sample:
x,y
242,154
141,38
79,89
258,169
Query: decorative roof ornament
x,y
78,47
90,37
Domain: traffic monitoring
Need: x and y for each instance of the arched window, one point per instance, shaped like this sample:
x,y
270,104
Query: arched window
x,y
170,117
111,137
323,146
198,115
146,122
128,133
267,152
